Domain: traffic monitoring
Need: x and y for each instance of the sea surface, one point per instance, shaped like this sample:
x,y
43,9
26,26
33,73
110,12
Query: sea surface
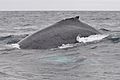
x,y
90,61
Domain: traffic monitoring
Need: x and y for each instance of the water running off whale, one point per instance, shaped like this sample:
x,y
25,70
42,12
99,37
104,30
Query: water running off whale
x,y
91,38
62,32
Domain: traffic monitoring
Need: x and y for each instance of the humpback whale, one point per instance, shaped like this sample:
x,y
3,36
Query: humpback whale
x,y
62,32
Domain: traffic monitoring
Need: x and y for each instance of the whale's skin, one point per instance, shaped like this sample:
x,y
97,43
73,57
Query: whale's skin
x,y
62,32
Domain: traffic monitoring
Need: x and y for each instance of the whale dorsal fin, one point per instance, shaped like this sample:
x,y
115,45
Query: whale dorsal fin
x,y
77,17
69,20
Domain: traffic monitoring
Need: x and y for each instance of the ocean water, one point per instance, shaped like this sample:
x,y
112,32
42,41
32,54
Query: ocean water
x,y
91,61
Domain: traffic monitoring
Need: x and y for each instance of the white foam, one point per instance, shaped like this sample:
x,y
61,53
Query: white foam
x,y
91,38
65,46
15,46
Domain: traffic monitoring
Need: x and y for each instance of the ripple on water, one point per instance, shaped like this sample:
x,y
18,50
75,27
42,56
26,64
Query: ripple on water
x,y
64,59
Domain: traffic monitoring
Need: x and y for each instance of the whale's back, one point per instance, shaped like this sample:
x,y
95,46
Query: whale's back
x,y
62,32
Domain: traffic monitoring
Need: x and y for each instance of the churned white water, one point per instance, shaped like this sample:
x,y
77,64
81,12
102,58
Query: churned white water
x,y
91,38
65,46
15,46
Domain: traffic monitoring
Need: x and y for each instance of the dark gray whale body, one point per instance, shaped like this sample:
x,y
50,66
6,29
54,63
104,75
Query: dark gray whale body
x,y
62,32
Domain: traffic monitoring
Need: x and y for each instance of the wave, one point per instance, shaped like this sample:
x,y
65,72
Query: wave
x,y
115,38
11,39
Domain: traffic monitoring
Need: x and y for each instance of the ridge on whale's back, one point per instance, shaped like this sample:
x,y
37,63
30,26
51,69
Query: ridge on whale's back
x,y
74,22
62,32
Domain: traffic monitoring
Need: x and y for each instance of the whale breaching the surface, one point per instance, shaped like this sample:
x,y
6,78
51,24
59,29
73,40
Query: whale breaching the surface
x,y
62,32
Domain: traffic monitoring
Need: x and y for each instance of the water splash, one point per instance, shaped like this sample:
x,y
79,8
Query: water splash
x,y
17,46
91,38
66,46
